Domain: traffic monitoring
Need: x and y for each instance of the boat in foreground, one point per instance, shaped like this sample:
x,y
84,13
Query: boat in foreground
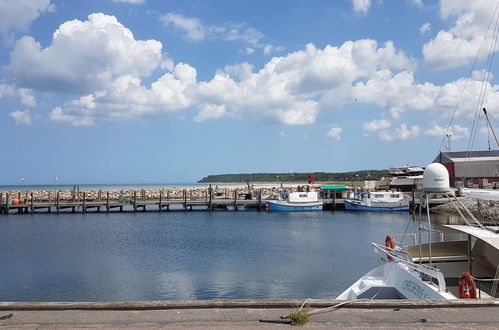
x,y
458,268
398,278
297,201
377,201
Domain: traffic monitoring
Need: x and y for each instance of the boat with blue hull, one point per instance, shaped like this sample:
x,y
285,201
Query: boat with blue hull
x,y
378,201
297,201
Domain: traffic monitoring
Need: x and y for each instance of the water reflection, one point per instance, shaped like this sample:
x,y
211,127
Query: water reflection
x,y
189,255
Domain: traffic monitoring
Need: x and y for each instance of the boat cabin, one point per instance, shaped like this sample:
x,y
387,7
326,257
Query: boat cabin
x,y
303,197
381,196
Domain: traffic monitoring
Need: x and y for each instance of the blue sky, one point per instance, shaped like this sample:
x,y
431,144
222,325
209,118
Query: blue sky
x,y
108,91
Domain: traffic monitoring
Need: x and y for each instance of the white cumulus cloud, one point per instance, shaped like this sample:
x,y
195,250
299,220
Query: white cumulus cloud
x,y
193,28
126,98
24,95
83,56
18,14
196,31
21,117
417,3
100,60
268,49
459,45
375,126
457,132
249,50
386,132
291,89
210,111
403,132
425,28
361,6
335,133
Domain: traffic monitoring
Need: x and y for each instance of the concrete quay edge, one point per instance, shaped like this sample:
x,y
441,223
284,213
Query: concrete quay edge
x,y
244,303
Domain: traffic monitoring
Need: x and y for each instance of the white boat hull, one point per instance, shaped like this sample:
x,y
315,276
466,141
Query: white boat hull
x,y
393,280
287,206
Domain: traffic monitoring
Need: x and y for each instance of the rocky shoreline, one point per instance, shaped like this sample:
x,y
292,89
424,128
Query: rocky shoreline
x,y
483,210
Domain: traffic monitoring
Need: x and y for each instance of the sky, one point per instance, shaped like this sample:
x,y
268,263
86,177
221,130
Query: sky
x,y
163,91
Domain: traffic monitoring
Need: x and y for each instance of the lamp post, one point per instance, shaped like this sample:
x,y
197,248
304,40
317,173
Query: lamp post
x,y
55,182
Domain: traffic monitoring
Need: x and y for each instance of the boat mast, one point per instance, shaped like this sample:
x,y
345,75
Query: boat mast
x,y
490,125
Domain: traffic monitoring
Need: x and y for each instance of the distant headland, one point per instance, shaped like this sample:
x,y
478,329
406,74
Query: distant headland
x,y
299,177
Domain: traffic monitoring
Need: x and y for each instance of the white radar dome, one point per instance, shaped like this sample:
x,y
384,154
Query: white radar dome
x,y
436,179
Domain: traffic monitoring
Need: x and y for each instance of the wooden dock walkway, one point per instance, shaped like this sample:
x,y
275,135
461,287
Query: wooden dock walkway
x,y
117,206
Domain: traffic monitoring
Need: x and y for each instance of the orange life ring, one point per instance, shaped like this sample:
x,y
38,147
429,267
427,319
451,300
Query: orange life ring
x,y
467,287
389,244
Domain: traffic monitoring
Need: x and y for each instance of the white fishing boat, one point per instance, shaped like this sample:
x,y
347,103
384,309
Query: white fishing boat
x,y
463,268
377,201
297,201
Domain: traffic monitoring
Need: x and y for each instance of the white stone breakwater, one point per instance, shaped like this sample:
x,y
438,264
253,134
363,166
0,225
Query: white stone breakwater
x,y
482,210
141,194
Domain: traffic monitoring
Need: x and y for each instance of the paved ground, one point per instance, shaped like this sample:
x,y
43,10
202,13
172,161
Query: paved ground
x,y
377,317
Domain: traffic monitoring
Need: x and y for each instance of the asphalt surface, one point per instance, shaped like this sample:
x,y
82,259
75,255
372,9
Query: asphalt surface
x,y
418,316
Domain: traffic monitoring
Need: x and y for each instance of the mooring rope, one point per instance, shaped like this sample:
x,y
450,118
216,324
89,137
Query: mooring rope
x,y
327,309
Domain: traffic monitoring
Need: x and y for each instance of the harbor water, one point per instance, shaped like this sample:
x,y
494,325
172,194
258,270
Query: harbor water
x,y
189,255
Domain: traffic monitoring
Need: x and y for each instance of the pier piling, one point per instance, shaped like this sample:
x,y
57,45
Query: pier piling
x,y
260,200
185,199
210,205
235,200
160,206
57,202
7,203
84,209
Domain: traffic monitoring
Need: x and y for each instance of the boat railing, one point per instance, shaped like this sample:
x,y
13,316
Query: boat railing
x,y
493,289
495,282
436,237
400,256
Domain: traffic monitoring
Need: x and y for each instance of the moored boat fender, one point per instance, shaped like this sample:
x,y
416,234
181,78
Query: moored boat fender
x,y
390,245
467,287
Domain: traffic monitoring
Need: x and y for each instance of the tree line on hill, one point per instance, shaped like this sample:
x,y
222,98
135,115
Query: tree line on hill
x,y
298,177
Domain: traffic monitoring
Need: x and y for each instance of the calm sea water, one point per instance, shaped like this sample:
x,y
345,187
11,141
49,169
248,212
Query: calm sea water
x,y
188,255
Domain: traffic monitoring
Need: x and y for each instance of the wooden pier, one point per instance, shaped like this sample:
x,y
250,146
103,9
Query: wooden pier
x,y
139,203
129,204
141,206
